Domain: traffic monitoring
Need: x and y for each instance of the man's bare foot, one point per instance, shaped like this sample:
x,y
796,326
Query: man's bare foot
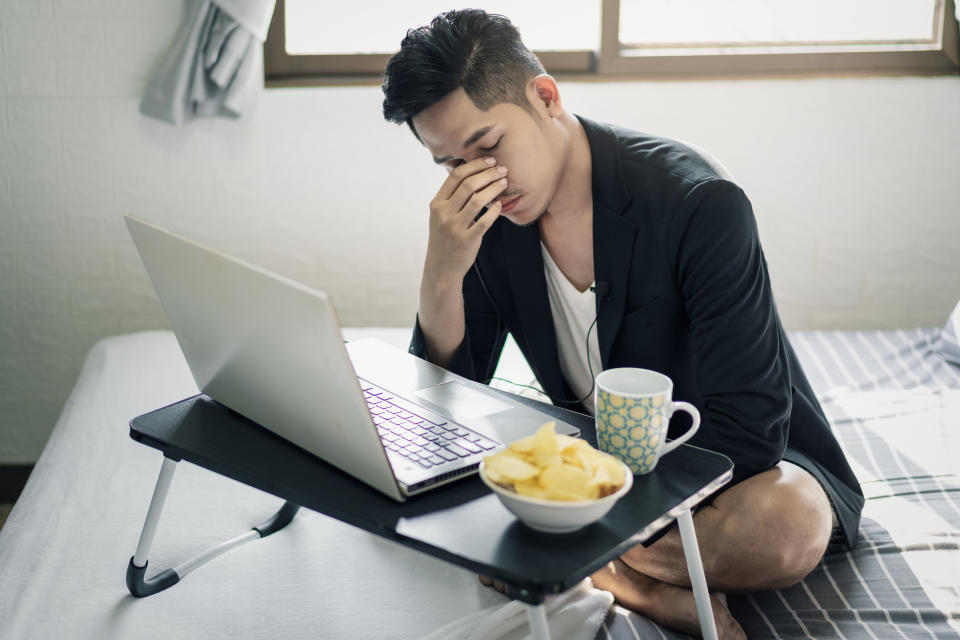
x,y
666,604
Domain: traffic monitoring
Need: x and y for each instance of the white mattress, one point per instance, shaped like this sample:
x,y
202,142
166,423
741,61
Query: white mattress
x,y
893,401
65,547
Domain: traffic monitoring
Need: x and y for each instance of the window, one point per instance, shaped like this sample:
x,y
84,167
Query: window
x,y
318,27
314,43
658,37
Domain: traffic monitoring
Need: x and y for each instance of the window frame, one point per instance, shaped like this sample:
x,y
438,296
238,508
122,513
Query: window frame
x,y
615,61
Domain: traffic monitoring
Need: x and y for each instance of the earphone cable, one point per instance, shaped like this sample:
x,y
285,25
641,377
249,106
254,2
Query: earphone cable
x,y
483,284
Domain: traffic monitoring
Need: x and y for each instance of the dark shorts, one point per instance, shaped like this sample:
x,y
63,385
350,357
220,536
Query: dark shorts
x,y
838,541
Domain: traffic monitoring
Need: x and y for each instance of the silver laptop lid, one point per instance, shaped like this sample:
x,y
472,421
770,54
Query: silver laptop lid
x,y
267,347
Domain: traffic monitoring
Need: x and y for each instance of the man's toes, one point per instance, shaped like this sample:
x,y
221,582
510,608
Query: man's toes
x,y
727,626
669,605
629,588
487,581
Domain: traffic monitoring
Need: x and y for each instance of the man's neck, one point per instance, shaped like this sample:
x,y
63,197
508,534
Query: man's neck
x,y
566,230
573,199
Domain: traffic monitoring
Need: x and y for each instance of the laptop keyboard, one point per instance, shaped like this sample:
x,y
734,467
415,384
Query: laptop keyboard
x,y
417,434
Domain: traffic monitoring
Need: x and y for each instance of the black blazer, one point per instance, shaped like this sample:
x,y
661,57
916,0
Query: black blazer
x,y
682,289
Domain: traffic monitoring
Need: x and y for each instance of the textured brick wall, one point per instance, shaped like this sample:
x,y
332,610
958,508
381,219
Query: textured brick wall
x,y
854,182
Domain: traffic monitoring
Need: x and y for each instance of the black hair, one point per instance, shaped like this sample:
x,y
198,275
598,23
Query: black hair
x,y
470,48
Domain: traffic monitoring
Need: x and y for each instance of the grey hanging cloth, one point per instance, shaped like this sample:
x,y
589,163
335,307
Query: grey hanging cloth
x,y
214,66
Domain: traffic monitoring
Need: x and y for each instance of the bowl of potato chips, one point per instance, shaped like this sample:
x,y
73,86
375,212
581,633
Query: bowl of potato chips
x,y
555,483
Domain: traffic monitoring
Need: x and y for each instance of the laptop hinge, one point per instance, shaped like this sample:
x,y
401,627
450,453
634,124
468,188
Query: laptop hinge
x,y
440,479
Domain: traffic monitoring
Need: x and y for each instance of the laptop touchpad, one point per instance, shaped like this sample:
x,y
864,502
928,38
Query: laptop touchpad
x,y
461,400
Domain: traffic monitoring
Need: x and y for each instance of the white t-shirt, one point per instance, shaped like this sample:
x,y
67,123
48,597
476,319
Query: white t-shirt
x,y
573,313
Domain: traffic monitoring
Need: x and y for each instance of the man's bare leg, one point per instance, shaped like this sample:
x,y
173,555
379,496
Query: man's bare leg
x,y
766,532
668,605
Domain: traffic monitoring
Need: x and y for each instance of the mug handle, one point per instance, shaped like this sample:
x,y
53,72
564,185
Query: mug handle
x,y
694,413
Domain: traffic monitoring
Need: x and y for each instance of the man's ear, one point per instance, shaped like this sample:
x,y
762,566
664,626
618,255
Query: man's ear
x,y
545,92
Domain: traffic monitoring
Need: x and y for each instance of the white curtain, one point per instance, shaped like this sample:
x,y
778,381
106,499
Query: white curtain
x,y
215,65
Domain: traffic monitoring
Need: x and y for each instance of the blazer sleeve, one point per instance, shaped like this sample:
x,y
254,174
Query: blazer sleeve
x,y
740,361
477,355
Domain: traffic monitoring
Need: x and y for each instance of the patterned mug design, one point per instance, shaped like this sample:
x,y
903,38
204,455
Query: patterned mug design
x,y
633,426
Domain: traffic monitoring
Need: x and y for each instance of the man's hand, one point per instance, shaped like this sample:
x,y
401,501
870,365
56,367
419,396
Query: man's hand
x,y
455,230
457,224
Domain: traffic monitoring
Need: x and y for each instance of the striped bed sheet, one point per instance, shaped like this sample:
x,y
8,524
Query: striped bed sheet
x,y
894,403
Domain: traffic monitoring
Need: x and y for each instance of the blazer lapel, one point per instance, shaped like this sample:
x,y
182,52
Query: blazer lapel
x,y
524,263
614,233
613,243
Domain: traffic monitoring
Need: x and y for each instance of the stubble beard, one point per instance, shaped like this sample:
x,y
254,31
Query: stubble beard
x,y
533,220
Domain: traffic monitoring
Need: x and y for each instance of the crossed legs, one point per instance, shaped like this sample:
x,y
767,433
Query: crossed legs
x,y
766,532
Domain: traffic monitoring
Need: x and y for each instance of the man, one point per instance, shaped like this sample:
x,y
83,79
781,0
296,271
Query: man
x,y
545,215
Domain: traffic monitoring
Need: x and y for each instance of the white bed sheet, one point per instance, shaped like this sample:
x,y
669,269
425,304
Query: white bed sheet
x,y
62,565
891,398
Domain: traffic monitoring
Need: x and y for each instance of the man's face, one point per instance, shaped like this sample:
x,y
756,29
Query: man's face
x,y
454,130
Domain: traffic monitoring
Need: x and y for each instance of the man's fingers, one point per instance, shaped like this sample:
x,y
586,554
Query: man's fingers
x,y
460,173
484,222
474,185
485,580
483,198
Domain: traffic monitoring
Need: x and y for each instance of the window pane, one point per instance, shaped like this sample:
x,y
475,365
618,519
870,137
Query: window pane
x,y
693,22
330,27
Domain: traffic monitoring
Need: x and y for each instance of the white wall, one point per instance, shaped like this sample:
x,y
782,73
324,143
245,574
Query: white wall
x,y
854,182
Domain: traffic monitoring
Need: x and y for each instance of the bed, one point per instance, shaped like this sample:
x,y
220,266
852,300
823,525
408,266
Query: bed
x,y
893,400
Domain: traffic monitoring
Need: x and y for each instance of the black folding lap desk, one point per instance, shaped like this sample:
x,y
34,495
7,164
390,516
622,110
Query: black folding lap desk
x,y
463,523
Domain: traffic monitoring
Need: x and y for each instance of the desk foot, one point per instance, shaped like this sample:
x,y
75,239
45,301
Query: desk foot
x,y
691,550
137,582
537,617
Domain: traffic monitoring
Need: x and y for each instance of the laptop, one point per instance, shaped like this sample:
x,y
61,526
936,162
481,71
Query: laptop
x,y
270,349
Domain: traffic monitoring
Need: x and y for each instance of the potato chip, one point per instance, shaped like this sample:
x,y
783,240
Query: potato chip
x,y
587,462
509,453
530,488
570,455
615,468
545,450
565,442
505,468
560,494
600,477
567,478
523,445
553,466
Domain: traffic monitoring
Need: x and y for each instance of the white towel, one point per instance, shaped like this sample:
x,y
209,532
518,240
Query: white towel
x,y
573,615
254,15
950,337
214,66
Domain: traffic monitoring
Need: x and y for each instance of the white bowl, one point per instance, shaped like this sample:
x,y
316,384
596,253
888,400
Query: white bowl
x,y
557,516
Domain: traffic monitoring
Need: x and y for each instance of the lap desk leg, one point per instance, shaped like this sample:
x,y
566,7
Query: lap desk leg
x,y
140,586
